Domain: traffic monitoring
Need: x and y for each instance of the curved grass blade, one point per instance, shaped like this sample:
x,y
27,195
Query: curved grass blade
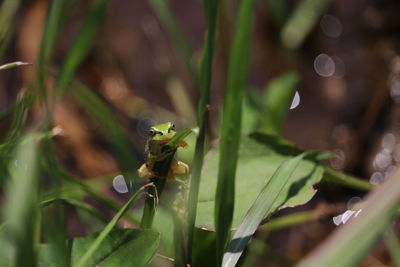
x,y
231,126
112,130
168,20
348,245
81,45
97,242
77,204
262,207
211,14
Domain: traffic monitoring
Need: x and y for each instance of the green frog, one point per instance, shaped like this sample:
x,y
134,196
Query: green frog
x,y
158,137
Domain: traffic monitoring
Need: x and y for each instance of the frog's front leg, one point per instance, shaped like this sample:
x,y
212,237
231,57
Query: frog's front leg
x,y
177,167
145,171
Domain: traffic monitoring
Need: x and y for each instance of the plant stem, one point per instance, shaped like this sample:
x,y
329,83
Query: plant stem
x,y
160,170
341,178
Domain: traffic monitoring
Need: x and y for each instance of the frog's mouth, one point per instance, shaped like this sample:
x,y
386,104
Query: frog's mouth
x,y
161,142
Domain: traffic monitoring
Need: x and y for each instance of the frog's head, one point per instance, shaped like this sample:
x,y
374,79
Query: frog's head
x,y
162,132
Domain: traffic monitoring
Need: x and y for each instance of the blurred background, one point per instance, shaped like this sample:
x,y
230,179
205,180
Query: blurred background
x,y
342,59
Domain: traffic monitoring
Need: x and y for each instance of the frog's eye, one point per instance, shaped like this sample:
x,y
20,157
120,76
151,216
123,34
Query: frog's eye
x,y
152,132
172,128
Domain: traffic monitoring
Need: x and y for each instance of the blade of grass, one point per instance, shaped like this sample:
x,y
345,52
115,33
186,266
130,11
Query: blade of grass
x,y
81,45
211,14
302,21
231,122
20,112
21,207
13,65
97,242
8,12
262,207
77,204
48,42
348,245
393,244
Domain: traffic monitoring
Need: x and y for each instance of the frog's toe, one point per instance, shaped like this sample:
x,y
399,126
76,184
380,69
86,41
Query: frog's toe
x,y
144,171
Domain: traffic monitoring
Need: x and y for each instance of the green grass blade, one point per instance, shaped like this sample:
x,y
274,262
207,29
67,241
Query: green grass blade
x,y
231,122
211,13
77,204
48,41
349,244
21,206
20,112
13,65
8,12
82,44
97,242
262,207
393,244
302,21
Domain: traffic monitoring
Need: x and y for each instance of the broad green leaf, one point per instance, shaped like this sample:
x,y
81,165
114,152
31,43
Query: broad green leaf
x,y
350,243
102,237
231,126
133,247
259,157
262,206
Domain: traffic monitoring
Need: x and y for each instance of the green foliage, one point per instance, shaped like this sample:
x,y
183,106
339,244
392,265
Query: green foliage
x,y
263,206
245,178
96,244
259,157
130,247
